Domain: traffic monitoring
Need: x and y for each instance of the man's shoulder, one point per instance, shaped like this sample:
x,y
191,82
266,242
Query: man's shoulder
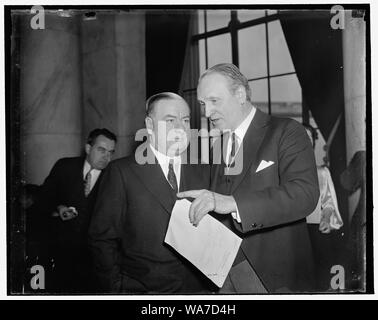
x,y
69,162
122,163
281,123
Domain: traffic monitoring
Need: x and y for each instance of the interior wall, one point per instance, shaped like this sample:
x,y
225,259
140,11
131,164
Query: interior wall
x,y
50,94
76,75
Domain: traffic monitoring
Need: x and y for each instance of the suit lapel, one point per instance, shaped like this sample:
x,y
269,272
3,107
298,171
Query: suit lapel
x,y
251,144
153,178
217,153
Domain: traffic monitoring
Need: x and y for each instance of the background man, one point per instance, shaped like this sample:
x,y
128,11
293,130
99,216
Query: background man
x,y
267,202
67,197
134,206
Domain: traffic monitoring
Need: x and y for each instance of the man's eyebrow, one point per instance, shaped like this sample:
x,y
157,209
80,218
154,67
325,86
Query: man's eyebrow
x,y
169,116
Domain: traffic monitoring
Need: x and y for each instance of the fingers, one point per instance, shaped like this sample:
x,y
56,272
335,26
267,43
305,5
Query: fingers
x,y
193,209
68,213
200,213
190,194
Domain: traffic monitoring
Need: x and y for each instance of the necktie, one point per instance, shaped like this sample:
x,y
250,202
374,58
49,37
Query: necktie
x,y
234,148
172,177
87,183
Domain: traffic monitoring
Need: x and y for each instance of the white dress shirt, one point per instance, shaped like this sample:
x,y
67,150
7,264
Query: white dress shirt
x,y
240,132
164,161
94,173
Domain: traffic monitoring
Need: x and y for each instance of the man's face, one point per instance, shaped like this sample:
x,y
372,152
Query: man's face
x,y
221,105
169,125
100,153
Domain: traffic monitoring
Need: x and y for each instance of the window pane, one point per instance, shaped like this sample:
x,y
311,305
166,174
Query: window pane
x,y
279,55
286,96
259,97
202,55
252,51
272,12
246,15
217,19
219,49
201,21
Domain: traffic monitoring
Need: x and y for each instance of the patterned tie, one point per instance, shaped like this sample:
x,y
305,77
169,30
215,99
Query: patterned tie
x,y
234,148
87,183
172,177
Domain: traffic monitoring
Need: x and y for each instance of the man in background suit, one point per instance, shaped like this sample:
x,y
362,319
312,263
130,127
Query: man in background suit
x,y
67,198
264,187
134,204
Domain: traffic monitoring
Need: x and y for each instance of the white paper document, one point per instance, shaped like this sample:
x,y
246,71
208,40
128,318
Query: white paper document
x,y
210,246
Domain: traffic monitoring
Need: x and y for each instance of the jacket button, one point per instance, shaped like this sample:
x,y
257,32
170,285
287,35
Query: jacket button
x,y
254,225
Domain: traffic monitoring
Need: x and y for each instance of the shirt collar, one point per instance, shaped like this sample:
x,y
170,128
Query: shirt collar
x,y
87,167
241,130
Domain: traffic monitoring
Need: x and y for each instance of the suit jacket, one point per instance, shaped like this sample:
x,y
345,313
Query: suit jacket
x,y
274,202
129,224
65,186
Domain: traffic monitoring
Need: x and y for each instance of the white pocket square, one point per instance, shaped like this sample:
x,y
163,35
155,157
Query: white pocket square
x,y
264,164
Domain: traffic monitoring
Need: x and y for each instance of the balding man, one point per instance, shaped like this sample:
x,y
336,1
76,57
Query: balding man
x,y
134,204
264,187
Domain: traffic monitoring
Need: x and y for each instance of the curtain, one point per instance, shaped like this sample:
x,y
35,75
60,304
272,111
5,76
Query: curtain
x,y
316,51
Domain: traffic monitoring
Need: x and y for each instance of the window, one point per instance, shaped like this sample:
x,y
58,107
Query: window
x,y
255,42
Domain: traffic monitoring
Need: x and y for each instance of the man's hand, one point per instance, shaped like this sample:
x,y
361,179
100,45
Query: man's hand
x,y
65,213
206,201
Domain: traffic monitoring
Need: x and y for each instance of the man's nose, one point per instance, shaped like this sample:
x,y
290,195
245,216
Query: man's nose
x,y
179,124
208,110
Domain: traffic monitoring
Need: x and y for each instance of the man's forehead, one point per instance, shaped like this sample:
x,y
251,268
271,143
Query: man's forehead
x,y
171,106
212,82
103,141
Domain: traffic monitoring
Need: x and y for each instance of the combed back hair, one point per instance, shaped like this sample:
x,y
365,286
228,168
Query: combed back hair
x,y
231,72
153,100
100,132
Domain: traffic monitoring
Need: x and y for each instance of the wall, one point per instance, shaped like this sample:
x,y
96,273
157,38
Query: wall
x,y
76,75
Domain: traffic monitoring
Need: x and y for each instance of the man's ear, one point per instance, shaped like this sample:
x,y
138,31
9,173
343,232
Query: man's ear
x,y
149,124
87,148
241,95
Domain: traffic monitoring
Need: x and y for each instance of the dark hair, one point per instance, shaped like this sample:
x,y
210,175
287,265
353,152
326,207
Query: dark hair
x,y
152,101
100,132
233,74
314,133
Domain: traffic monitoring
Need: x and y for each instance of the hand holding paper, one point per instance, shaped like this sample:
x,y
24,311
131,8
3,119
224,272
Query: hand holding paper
x,y
206,201
211,246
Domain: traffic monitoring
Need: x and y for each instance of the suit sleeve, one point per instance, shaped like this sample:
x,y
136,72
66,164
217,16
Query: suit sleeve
x,y
296,195
105,229
49,196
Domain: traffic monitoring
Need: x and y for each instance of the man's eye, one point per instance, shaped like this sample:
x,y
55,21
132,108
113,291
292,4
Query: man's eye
x,y
170,120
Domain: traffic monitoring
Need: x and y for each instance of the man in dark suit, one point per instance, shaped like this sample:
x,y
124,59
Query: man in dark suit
x,y
67,199
134,204
263,187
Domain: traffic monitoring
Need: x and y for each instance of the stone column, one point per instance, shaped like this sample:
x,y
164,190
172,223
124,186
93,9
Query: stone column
x,y
50,94
354,52
113,50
